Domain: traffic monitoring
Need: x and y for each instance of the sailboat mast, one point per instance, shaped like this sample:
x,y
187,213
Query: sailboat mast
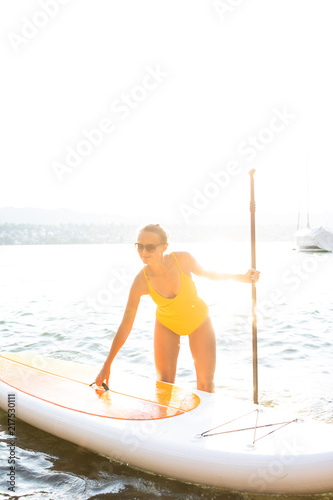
x,y
307,197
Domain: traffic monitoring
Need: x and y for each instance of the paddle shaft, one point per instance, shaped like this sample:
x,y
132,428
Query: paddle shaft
x,y
254,291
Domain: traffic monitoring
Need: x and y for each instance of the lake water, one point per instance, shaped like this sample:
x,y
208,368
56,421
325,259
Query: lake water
x,y
66,301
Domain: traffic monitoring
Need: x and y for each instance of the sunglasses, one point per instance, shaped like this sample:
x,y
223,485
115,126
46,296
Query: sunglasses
x,y
150,247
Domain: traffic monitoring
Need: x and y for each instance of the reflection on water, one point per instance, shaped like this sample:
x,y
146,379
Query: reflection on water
x,y
67,301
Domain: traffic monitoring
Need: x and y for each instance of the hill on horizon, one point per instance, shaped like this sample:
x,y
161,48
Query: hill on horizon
x,y
30,215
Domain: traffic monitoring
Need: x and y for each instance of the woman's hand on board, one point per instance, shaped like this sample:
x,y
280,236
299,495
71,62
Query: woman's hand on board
x,y
104,374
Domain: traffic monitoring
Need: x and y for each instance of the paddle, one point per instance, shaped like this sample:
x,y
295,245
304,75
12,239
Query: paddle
x,y
254,291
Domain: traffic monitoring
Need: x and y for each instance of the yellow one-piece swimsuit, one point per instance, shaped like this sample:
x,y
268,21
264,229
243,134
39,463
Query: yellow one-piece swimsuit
x,y
184,313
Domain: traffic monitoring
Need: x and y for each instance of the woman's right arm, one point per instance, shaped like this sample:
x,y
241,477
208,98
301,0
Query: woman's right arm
x,y
137,290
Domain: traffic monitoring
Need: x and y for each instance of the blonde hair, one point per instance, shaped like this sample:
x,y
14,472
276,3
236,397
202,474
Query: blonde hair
x,y
157,229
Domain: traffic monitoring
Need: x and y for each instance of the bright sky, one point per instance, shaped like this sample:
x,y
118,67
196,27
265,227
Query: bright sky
x,y
187,95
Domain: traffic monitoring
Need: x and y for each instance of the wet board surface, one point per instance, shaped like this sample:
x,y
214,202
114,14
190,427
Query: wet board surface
x,y
211,439
66,384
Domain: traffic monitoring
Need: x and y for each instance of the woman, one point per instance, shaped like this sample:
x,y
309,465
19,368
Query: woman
x,y
167,279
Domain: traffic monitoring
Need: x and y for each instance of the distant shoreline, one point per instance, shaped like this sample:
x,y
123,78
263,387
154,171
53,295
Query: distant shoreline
x,y
62,234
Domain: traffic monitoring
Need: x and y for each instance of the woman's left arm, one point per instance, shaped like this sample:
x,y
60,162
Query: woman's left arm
x,y
252,275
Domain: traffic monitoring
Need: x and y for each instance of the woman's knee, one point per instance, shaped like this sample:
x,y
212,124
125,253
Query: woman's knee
x,y
166,377
206,384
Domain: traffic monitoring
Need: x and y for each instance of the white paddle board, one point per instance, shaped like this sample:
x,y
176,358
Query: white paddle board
x,y
193,436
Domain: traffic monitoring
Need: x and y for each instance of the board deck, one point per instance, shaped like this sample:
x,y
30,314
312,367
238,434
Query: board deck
x,y
66,384
213,440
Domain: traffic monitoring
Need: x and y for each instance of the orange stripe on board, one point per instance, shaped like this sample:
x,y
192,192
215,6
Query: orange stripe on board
x,y
79,397
154,391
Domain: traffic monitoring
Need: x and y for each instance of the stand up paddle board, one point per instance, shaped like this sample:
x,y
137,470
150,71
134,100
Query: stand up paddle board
x,y
194,436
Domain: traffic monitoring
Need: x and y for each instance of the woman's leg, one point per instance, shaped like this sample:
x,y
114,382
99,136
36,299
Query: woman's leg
x,y
203,347
166,349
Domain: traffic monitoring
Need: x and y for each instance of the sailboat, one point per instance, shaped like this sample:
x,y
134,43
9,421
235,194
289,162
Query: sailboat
x,y
312,239
317,239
